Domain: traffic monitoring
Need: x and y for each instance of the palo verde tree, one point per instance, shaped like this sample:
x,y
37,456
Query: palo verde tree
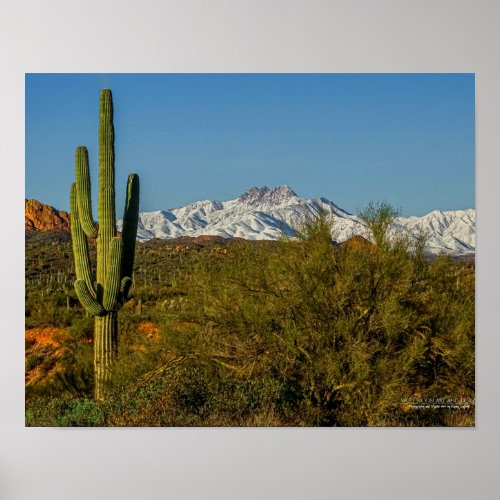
x,y
102,295
379,218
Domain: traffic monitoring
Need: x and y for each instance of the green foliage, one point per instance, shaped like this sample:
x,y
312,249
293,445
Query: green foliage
x,y
82,413
379,217
77,375
64,413
298,332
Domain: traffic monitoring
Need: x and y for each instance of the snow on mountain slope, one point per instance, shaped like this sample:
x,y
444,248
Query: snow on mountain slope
x,y
451,232
268,213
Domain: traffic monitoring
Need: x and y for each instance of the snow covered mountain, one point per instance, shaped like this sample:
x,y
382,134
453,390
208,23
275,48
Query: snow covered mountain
x,y
268,213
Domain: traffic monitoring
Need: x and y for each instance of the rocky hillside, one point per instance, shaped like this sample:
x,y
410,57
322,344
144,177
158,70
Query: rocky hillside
x,y
41,217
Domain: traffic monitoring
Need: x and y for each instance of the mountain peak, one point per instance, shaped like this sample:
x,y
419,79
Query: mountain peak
x,y
265,195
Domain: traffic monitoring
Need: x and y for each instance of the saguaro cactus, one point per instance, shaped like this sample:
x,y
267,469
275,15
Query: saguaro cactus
x,y
103,295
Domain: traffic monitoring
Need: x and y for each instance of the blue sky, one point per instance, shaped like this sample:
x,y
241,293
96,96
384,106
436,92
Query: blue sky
x,y
404,138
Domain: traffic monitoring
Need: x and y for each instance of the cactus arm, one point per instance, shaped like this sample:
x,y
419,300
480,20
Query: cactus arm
x,y
106,195
112,287
83,266
125,285
91,305
83,192
130,221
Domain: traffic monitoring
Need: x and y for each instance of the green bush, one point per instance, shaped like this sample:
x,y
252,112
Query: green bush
x,y
82,413
298,332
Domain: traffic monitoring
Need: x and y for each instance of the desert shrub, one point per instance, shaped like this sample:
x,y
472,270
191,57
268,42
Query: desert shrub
x,y
81,413
298,332
43,411
348,333
76,376
379,218
48,308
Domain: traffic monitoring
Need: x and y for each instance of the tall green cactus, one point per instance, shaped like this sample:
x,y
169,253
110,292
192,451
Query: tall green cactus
x,y
103,295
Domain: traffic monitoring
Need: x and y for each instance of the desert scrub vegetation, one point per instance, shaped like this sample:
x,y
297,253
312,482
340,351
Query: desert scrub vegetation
x,y
299,332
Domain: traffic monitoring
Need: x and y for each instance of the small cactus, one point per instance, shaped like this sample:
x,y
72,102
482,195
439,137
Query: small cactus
x,y
103,295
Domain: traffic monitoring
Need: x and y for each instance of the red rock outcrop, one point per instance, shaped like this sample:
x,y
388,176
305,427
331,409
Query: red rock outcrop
x,y
41,217
357,243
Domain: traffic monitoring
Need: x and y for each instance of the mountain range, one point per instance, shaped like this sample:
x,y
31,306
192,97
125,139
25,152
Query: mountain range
x,y
269,213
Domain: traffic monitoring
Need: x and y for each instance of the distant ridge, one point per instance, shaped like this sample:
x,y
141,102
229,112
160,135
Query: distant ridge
x,y
268,213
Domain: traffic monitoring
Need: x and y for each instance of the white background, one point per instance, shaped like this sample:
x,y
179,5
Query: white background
x,y
248,36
